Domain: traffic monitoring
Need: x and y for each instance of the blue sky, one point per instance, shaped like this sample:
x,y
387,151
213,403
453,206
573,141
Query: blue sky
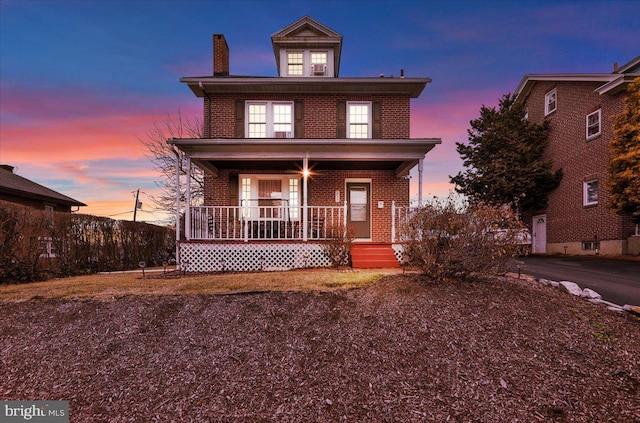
x,y
82,81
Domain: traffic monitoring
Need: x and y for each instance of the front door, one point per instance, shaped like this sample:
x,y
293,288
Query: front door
x,y
539,241
359,209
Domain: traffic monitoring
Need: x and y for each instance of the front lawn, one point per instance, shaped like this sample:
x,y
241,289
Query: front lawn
x,y
115,285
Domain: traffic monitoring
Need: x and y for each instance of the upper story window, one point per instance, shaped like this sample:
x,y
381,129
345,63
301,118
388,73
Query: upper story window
x,y
269,119
593,124
295,63
319,63
359,120
590,192
550,101
307,63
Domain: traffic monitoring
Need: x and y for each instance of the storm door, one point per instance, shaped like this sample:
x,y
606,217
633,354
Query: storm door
x,y
359,208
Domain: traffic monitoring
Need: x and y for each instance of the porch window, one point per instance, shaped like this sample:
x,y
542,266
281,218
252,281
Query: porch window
x,y
270,197
294,198
269,119
246,197
359,120
267,196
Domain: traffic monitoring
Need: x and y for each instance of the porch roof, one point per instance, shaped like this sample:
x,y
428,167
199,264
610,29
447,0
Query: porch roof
x,y
216,154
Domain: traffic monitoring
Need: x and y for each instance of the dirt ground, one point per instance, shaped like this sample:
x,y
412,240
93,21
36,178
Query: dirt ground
x,y
402,349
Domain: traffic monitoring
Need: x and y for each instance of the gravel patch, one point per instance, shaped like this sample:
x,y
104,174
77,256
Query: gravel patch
x,y
403,349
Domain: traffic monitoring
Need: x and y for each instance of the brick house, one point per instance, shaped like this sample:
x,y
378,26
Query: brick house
x,y
16,189
580,109
290,158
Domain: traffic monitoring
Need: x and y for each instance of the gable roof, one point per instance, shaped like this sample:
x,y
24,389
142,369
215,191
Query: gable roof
x,y
309,33
11,183
611,82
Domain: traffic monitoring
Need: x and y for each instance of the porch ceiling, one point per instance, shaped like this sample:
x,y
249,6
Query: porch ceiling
x,y
323,154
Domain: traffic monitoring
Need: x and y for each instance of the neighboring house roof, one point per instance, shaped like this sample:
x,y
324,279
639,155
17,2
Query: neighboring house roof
x,y
611,82
13,184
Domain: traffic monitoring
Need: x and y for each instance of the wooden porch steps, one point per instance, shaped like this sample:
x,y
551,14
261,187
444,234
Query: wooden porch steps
x,y
372,255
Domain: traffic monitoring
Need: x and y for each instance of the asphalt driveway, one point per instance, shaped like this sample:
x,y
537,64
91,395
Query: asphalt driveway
x,y
617,281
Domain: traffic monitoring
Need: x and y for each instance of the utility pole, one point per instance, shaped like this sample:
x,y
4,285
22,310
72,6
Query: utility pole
x,y
135,208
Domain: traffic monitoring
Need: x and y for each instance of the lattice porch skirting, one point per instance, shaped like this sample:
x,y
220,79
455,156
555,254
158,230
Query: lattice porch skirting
x,y
204,257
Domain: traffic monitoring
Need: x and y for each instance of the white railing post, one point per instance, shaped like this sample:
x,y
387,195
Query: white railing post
x,y
393,220
187,213
244,221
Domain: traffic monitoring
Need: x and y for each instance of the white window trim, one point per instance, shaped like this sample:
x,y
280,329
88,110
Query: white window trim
x,y
250,208
369,118
307,65
270,133
597,134
585,193
547,97
287,62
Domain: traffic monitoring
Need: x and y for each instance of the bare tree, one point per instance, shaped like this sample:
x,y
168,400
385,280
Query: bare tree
x,y
164,159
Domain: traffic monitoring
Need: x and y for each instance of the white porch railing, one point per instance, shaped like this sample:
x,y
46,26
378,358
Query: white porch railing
x,y
399,217
249,223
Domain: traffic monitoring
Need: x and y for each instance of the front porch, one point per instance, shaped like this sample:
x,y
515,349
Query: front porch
x,y
277,223
224,238
273,203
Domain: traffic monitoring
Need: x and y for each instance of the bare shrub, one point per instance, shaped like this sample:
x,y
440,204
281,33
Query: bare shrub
x,y
447,240
38,244
337,246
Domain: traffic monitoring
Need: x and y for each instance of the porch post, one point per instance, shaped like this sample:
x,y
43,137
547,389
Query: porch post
x,y
393,220
187,211
420,166
177,208
305,205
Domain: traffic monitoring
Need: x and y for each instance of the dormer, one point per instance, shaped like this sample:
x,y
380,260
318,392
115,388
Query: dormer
x,y
307,48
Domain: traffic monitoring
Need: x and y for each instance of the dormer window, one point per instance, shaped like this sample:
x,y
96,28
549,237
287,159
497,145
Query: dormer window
x,y
307,63
319,63
295,63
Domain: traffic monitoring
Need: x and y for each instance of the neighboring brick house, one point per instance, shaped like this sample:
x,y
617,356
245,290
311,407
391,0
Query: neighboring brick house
x,y
580,109
16,189
289,158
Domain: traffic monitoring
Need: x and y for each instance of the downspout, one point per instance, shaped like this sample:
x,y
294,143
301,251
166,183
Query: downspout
x,y
420,166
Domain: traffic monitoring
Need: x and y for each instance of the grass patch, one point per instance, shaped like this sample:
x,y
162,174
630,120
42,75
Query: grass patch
x,y
107,287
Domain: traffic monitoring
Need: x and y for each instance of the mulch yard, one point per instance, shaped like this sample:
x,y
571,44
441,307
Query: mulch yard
x,y
401,349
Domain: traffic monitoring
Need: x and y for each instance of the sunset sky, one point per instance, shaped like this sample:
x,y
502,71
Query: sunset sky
x,y
82,81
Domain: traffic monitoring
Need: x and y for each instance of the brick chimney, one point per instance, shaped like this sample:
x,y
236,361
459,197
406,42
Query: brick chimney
x,y
220,56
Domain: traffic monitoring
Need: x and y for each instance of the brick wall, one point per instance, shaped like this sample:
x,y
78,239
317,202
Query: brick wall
x,y
319,113
568,220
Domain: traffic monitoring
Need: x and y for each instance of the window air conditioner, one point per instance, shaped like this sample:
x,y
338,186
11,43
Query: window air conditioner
x,y
319,68
281,134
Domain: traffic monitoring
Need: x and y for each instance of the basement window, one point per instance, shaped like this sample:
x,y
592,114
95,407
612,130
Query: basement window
x,y
590,245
